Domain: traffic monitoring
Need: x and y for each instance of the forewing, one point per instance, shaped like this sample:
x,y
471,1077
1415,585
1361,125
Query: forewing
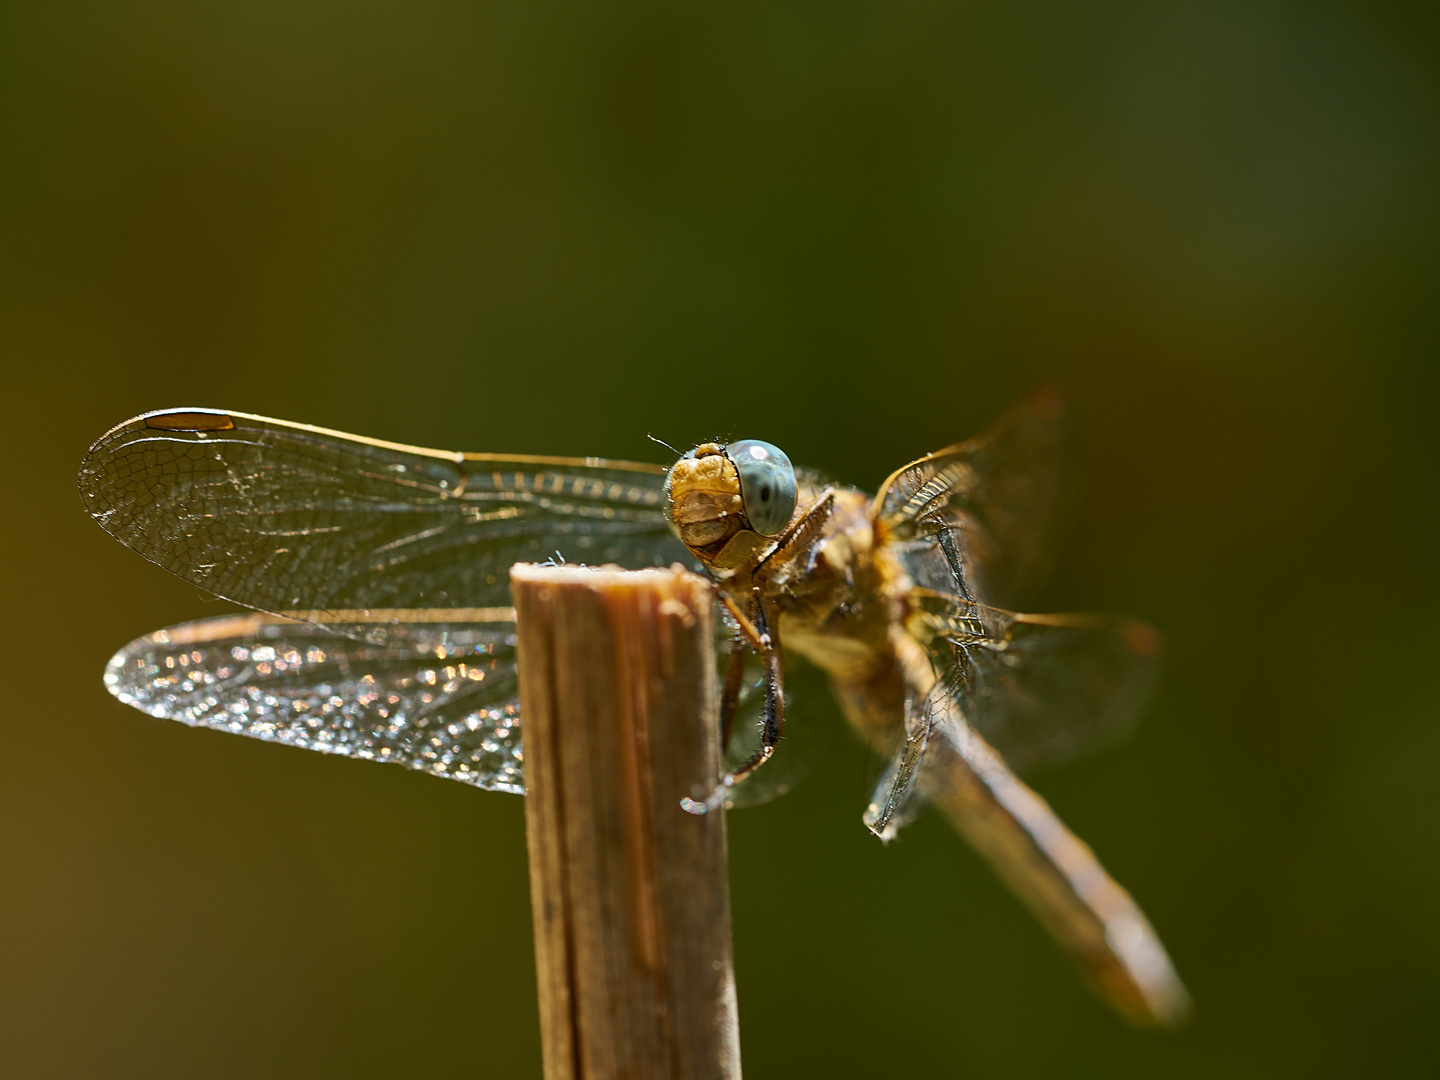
x,y
976,518
438,696
1042,689
288,518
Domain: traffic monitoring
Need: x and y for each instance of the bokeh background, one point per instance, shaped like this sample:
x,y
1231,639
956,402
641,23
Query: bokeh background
x,y
857,230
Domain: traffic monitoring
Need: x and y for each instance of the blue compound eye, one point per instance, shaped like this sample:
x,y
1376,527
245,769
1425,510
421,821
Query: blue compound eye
x,y
767,484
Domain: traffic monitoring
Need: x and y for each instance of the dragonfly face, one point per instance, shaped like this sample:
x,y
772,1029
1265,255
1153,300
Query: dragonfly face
x,y
384,631
727,502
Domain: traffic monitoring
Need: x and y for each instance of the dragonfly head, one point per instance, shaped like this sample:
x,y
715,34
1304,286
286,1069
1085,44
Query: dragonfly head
x,y
728,501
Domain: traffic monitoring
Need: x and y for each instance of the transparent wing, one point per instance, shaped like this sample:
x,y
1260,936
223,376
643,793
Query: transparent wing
x,y
1042,689
899,795
975,519
288,518
438,696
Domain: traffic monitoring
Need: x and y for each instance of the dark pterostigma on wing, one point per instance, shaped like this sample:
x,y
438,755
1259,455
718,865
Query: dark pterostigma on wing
x,y
298,520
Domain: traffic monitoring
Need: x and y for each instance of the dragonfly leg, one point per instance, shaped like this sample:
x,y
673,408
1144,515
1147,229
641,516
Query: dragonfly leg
x,y
800,536
730,696
757,639
771,726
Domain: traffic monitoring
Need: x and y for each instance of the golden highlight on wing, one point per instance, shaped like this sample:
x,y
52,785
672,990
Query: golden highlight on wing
x,y
288,517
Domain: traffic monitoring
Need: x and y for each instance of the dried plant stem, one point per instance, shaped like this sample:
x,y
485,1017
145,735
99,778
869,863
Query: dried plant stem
x,y
630,893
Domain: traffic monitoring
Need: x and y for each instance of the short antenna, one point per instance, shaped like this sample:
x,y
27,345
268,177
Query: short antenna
x,y
665,444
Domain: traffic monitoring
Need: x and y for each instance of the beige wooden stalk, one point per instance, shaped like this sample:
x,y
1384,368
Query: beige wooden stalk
x,y
630,893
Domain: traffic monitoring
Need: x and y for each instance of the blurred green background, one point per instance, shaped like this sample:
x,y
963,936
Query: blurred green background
x,y
857,230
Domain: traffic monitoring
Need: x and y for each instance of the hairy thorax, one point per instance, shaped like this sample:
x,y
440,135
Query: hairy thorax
x,y
837,607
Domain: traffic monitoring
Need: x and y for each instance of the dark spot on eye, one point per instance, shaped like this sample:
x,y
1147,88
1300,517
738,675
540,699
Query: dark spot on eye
x,y
765,493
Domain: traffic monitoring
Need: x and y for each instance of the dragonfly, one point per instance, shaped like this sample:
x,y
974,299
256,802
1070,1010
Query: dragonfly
x,y
381,626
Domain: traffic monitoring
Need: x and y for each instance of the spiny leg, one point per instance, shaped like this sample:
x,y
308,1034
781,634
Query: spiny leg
x,y
748,629
798,538
755,629
771,726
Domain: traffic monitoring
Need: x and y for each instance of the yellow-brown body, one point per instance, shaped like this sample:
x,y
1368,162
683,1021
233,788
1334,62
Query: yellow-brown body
x,y
371,543
831,589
